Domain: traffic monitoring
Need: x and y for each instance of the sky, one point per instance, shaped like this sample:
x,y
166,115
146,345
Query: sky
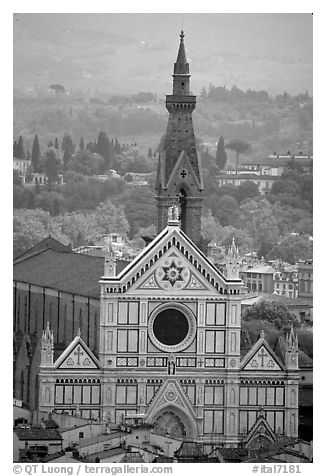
x,y
131,52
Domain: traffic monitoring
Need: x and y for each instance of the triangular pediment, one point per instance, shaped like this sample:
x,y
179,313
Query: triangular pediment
x,y
260,429
171,263
170,394
183,173
261,358
173,273
77,356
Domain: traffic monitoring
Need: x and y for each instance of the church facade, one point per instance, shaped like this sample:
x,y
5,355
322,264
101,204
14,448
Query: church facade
x,y
170,346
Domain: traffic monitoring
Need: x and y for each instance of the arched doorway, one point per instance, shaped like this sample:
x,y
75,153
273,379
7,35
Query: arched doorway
x,y
169,423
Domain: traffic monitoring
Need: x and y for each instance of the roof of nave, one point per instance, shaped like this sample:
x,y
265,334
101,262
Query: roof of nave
x,y
48,243
66,272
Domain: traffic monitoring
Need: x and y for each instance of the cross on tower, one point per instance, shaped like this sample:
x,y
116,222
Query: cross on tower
x,y
262,354
78,352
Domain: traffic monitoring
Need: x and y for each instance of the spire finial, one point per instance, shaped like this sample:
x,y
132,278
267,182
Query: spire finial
x,y
182,35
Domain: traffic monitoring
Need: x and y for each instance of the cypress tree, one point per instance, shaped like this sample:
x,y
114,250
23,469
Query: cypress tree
x,y
36,154
221,157
15,149
81,144
68,149
20,148
56,143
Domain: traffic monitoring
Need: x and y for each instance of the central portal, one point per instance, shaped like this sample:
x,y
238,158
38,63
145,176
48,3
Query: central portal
x,y
169,423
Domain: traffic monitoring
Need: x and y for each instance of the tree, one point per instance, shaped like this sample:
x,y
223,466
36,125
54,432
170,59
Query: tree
x,y
20,149
247,189
36,154
81,144
292,248
239,147
16,177
15,151
108,219
258,219
209,226
58,89
32,226
52,165
221,157
150,153
227,210
52,202
56,143
68,149
276,313
105,148
86,163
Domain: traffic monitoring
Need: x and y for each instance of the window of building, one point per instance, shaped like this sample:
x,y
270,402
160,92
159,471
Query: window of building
x,y
81,434
214,342
127,340
126,394
214,395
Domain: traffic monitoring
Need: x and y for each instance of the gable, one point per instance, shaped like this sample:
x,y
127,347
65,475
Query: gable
x,y
262,360
173,273
77,356
183,267
183,174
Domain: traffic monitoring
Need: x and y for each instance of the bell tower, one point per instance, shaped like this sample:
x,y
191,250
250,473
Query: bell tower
x,y
179,175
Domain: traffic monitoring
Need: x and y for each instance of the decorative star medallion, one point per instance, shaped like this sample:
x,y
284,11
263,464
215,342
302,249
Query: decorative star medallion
x,y
172,273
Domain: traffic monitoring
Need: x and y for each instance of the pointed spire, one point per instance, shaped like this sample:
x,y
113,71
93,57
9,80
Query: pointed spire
x,y
181,66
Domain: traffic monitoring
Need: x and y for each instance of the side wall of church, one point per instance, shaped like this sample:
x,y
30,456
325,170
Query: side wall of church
x,y
33,307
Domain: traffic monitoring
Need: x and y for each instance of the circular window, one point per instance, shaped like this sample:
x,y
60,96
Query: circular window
x,y
172,327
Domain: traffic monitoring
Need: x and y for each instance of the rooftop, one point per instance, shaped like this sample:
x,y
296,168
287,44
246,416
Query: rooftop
x,y
37,434
67,272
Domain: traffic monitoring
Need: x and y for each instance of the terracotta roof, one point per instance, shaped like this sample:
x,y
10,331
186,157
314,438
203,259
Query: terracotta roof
x,y
68,272
304,360
305,396
286,300
105,454
132,457
37,434
189,449
233,454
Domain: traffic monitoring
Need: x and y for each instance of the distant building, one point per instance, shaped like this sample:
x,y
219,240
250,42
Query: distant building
x,y
266,172
259,277
139,179
286,281
42,179
305,279
22,165
33,443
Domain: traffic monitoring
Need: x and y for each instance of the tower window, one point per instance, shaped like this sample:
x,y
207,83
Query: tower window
x,y
182,84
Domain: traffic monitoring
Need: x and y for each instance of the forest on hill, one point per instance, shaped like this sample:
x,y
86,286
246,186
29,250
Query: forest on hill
x,y
81,135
